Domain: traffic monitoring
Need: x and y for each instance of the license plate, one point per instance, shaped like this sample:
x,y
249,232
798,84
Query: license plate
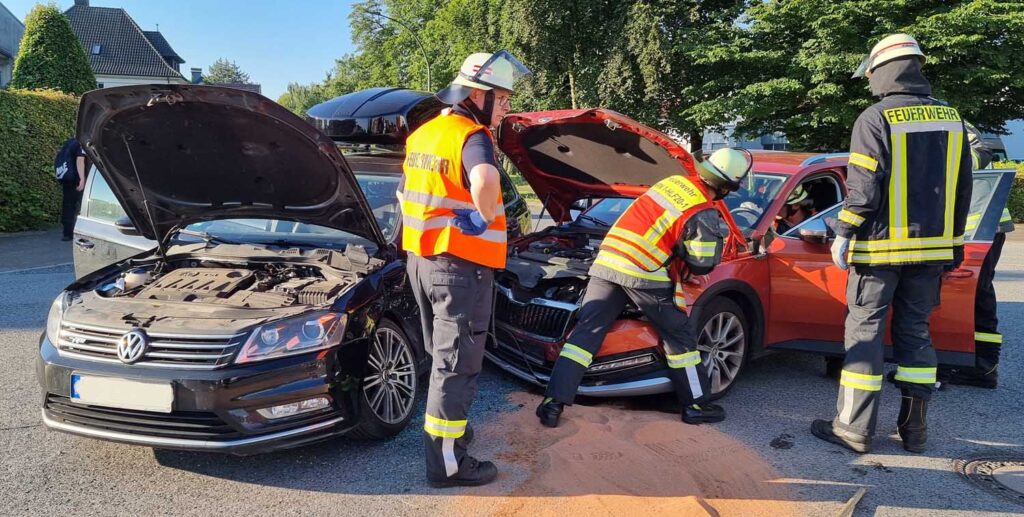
x,y
121,393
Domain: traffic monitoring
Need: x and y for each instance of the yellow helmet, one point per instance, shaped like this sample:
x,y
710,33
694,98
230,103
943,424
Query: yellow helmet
x,y
725,168
797,196
891,47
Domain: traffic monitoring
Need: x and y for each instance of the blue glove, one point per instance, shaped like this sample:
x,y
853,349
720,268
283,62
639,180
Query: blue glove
x,y
469,221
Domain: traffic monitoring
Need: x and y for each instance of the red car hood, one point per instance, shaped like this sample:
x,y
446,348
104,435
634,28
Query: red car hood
x,y
567,155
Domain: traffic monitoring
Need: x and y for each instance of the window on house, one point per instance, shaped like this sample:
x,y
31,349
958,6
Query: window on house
x,y
96,49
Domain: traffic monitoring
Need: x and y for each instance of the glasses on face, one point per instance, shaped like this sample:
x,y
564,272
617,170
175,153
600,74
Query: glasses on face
x,y
503,101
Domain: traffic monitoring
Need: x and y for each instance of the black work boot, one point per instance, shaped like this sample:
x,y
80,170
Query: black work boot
x,y
911,424
471,473
549,411
976,377
706,413
826,431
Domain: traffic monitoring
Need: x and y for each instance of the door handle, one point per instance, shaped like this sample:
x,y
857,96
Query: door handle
x,y
958,273
84,244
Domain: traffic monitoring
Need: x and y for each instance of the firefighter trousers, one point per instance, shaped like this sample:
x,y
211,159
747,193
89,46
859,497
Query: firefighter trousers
x,y
601,306
911,292
455,298
987,339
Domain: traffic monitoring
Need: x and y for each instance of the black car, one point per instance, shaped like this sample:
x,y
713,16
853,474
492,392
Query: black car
x,y
273,310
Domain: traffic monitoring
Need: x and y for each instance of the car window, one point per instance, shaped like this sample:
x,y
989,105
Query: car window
x,y
820,222
747,205
379,190
101,203
604,212
509,193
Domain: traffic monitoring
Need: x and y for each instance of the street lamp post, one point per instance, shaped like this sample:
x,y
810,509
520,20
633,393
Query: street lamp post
x,y
415,36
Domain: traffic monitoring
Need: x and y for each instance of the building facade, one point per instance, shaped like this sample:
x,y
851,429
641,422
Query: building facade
x,y
11,30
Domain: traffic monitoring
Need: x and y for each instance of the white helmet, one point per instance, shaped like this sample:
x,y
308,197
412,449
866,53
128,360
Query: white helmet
x,y
725,168
891,47
482,71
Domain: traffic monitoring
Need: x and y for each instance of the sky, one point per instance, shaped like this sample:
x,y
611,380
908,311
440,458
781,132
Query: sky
x,y
275,41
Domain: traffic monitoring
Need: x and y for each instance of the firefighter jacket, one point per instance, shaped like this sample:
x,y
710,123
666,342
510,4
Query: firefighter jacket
x,y
434,189
672,224
909,175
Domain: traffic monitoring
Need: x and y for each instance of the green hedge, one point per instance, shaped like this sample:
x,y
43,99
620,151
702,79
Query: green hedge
x,y
33,126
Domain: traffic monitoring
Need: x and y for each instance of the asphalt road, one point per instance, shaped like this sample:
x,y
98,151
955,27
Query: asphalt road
x,y
48,473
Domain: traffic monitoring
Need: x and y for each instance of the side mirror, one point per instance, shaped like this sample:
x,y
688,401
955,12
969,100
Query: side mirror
x,y
580,204
814,236
125,226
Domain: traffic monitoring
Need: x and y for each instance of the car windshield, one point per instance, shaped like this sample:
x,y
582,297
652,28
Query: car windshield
x,y
379,190
748,204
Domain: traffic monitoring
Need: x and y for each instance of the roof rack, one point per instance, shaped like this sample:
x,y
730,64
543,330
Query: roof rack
x,y
823,157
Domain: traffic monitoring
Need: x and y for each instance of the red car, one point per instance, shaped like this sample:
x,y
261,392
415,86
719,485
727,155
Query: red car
x,y
771,292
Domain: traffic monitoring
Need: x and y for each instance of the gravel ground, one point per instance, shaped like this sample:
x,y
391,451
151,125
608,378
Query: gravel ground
x,y
769,411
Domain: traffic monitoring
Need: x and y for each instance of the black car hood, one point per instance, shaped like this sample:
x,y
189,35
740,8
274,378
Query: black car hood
x,y
194,153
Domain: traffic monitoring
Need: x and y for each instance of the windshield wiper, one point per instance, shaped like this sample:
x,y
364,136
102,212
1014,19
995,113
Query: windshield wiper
x,y
593,219
206,237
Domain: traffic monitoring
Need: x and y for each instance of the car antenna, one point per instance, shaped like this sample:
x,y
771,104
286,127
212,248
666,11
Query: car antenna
x,y
160,245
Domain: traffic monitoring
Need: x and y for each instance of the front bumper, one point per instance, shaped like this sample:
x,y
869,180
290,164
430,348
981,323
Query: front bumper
x,y
213,410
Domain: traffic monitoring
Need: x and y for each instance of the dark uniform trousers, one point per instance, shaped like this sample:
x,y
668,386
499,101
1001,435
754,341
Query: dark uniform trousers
x,y
70,204
455,298
987,339
911,291
601,306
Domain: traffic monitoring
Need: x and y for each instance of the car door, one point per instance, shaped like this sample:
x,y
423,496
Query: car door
x,y
97,242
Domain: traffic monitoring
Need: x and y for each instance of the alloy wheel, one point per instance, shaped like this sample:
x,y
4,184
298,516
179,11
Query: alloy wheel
x,y
390,382
722,344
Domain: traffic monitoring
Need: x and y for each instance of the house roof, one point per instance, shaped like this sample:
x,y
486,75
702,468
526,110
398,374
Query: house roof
x,y
160,44
124,50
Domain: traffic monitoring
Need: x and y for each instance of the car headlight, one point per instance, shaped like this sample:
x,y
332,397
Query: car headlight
x,y
54,317
292,336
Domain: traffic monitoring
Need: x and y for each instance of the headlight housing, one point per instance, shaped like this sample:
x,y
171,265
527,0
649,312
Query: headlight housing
x,y
292,336
54,317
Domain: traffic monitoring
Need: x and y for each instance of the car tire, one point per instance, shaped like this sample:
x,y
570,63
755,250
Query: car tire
x,y
390,391
722,330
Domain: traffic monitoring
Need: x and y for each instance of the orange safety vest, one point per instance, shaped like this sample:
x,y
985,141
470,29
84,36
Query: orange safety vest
x,y
433,189
639,244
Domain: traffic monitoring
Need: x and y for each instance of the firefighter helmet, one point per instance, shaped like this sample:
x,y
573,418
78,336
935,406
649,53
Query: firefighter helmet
x,y
483,71
798,195
725,168
891,47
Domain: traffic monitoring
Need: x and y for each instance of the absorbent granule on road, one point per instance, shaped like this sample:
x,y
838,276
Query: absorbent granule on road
x,y
607,461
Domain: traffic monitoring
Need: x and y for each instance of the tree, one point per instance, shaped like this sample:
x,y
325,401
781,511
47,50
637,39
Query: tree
x,y
798,56
300,97
50,55
223,71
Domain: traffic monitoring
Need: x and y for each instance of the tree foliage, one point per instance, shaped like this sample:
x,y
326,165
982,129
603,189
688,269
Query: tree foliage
x,y
50,55
223,71
798,56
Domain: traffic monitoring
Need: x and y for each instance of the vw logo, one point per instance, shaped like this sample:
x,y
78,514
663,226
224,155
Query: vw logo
x,y
132,346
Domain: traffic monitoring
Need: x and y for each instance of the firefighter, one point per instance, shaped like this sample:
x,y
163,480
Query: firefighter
x,y
987,339
909,179
798,207
455,235
671,231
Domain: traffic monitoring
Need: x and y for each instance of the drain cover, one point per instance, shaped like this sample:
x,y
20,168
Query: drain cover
x,y
1001,475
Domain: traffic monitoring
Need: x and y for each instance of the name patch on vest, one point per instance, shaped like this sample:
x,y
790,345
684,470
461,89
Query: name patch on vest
x,y
679,192
921,114
428,162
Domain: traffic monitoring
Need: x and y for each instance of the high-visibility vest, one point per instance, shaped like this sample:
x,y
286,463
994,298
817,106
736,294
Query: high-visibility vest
x,y
434,188
640,243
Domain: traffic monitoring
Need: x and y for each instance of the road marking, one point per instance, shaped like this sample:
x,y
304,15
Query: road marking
x,y
35,268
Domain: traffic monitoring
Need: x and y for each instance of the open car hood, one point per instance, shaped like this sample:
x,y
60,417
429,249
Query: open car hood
x,y
568,155
193,153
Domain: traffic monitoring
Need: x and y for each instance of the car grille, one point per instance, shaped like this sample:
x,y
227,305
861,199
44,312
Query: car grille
x,y
541,318
182,351
191,425
526,357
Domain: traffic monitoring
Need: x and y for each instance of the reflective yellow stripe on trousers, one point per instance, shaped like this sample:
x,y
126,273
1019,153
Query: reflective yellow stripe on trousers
x,y
916,375
861,381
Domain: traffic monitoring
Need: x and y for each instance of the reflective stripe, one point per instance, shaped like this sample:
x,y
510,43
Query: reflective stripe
x,y
864,161
683,360
850,217
861,381
1005,217
898,188
891,245
916,375
693,377
430,200
442,428
631,252
956,141
665,203
927,127
660,226
903,257
422,225
679,298
988,337
639,242
577,354
612,262
700,248
972,221
958,241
